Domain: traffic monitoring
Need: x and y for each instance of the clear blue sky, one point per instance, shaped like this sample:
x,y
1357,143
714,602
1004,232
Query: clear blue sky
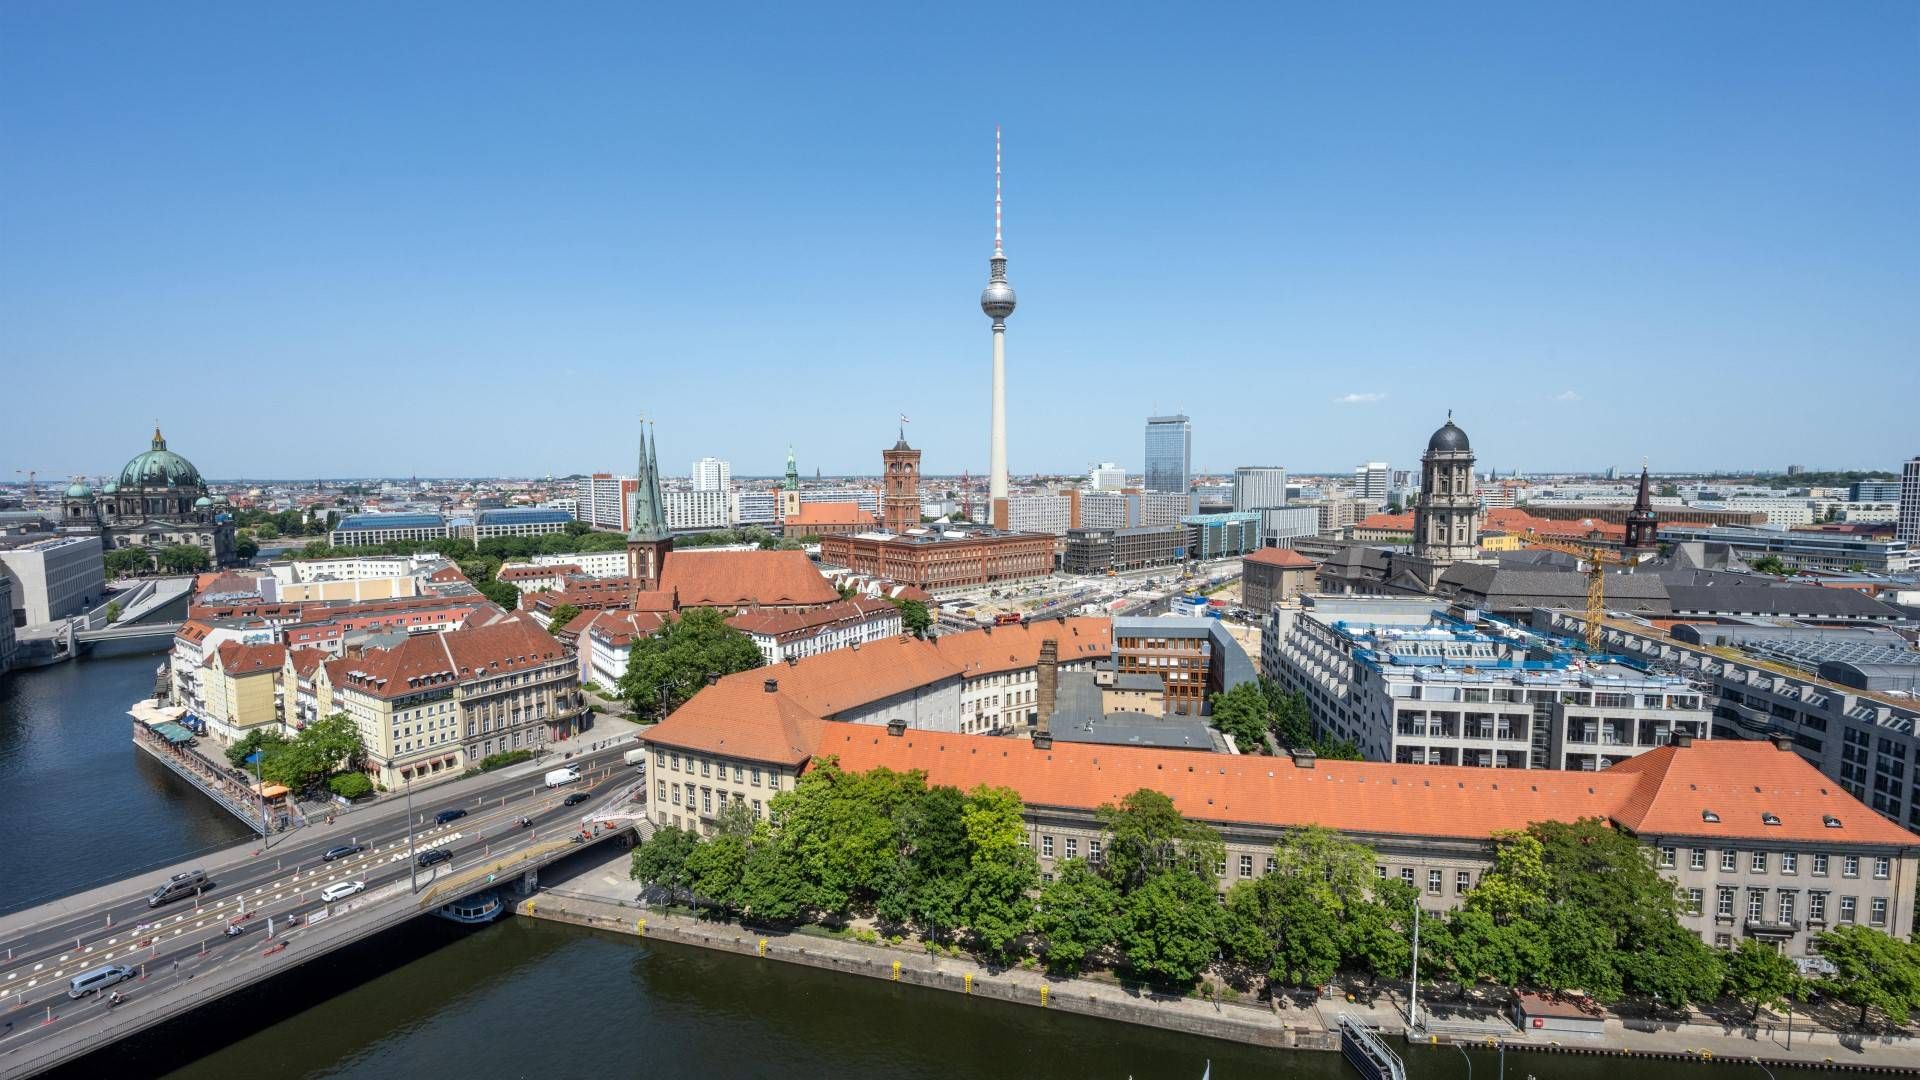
x,y
469,238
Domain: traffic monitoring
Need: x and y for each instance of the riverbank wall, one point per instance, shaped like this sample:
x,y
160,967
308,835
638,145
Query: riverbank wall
x,y
1253,1024
1290,1027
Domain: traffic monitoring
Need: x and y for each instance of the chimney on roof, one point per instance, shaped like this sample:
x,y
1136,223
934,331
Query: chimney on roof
x,y
793,660
896,727
1047,675
773,686
712,677
1780,740
1303,758
1681,738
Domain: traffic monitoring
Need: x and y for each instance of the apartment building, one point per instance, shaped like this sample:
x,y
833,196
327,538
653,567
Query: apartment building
x,y
602,500
240,687
1408,682
799,634
699,510
372,530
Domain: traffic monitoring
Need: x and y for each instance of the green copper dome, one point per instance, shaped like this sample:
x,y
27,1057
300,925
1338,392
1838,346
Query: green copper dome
x,y
79,490
110,488
159,467
203,501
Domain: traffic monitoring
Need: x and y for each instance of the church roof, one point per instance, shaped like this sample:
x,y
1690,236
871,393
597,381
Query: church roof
x,y
159,467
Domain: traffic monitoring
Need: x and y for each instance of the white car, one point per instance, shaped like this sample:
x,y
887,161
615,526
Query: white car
x,y
340,890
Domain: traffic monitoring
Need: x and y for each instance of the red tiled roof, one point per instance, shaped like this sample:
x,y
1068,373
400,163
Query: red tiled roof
x,y
1401,522
1741,781
193,631
833,682
619,627
1284,558
522,573
306,660
1009,648
739,718
782,623
744,579
238,659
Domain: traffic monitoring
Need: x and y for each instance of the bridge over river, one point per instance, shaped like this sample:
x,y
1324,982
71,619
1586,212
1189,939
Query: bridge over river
x,y
185,959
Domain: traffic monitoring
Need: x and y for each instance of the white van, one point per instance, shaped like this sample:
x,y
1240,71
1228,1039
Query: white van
x,y
98,979
563,777
636,757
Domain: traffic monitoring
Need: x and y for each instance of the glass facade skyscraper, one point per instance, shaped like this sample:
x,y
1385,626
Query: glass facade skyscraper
x,y
1169,453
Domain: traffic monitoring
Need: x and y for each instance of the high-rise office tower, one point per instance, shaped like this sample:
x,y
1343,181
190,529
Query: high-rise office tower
x,y
997,300
1259,487
1372,481
711,474
1909,526
1169,453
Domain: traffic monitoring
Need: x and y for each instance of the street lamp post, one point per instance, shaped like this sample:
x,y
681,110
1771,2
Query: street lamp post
x,y
413,863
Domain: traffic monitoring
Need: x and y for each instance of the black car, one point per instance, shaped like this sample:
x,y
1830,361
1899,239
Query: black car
x,y
343,851
437,855
445,816
575,799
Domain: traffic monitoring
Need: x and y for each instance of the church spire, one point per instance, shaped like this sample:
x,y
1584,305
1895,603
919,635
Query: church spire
x,y
159,440
1643,527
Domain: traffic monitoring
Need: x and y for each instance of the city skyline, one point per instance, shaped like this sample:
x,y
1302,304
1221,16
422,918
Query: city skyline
x,y
1594,244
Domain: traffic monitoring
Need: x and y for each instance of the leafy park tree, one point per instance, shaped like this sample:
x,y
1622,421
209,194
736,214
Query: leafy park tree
x,y
351,785
996,894
183,559
1078,916
1168,926
500,592
668,667
113,612
1242,712
1147,837
661,861
246,547
1760,976
1770,565
257,739
840,826
914,617
930,835
560,616
128,561
717,868
1872,970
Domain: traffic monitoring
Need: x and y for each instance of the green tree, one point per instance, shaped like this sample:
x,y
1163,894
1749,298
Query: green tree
x,y
113,612
774,887
500,592
1377,936
840,827
1672,966
1872,970
1242,713
717,867
1760,976
668,667
245,547
930,865
1077,917
1169,925
661,860
351,785
996,897
1338,873
1769,565
183,559
336,741
560,616
128,561
914,617
1147,837
257,739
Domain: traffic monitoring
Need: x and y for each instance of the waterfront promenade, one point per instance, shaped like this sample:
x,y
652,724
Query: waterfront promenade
x,y
604,898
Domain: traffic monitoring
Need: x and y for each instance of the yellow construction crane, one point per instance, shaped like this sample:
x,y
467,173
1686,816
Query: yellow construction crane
x,y
1597,560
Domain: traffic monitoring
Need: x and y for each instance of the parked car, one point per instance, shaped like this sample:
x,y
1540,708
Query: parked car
x,y
343,851
340,890
435,855
445,816
575,799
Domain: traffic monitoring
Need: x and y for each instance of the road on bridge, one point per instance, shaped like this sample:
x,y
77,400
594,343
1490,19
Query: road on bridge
x,y
172,945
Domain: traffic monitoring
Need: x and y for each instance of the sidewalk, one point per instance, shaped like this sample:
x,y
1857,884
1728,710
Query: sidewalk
x,y
603,898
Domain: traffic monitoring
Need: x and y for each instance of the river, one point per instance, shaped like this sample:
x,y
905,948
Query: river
x,y
524,998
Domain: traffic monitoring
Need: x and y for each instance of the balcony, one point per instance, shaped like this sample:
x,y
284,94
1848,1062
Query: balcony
x,y
1773,927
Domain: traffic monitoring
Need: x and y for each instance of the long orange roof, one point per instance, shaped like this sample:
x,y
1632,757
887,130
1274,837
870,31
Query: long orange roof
x,y
991,650
744,578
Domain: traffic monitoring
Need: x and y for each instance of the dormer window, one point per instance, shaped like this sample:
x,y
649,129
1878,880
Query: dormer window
x,y
1769,819
1830,821
1710,817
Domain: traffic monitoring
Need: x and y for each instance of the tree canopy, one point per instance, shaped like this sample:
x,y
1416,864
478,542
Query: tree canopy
x,y
668,667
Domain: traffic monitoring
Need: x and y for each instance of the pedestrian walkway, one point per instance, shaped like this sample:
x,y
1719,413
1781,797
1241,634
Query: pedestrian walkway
x,y
605,897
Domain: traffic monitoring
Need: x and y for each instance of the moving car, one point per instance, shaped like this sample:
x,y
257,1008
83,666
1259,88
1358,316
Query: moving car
x,y
559,777
445,816
340,890
182,884
635,757
98,979
431,856
575,799
343,851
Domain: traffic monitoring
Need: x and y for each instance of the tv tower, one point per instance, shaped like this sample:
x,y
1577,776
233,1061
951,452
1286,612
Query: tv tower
x,y
997,300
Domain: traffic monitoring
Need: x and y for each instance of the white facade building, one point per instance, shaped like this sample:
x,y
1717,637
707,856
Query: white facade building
x,y
600,500
1405,682
1371,482
690,511
1107,476
1039,512
711,474
591,563
796,635
756,507
54,578
1259,487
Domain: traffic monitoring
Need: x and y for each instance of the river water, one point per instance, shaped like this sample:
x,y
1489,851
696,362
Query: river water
x,y
524,998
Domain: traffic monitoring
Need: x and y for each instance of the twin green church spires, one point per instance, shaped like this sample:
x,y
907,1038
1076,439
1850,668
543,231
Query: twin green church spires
x,y
649,511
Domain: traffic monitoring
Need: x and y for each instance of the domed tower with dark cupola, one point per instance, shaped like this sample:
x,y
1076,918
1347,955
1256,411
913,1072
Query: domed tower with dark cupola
x,y
1446,516
158,500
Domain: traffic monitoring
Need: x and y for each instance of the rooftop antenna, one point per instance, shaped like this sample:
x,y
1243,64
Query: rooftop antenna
x,y
997,253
